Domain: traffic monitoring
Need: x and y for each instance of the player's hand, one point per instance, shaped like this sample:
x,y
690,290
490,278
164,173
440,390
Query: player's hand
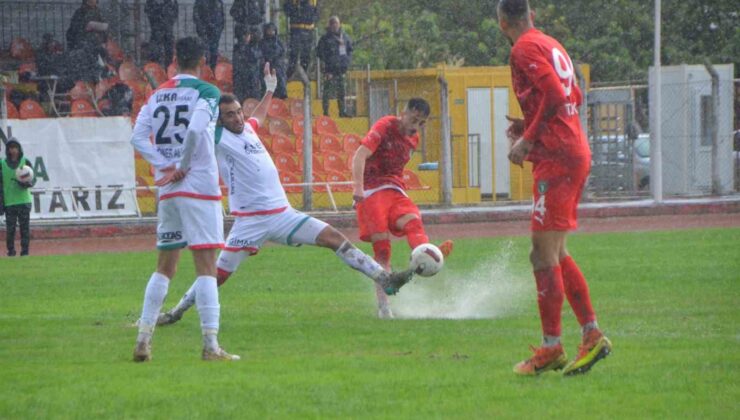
x,y
357,199
270,78
519,151
170,174
516,128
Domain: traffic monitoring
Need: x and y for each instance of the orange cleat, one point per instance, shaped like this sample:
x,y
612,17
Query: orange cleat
x,y
594,347
446,248
544,359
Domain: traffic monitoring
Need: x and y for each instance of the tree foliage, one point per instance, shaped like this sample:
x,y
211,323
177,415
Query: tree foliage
x,y
614,36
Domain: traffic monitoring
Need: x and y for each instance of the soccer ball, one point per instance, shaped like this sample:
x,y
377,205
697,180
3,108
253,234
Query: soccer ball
x,y
24,174
426,260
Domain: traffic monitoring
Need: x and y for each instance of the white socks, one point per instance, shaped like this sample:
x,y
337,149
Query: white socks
x,y
206,299
156,291
358,260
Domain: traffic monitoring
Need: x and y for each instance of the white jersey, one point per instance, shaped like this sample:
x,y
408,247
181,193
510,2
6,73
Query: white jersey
x,y
166,116
249,173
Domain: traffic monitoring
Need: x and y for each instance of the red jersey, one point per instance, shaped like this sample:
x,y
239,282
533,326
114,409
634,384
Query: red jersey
x,y
545,85
391,152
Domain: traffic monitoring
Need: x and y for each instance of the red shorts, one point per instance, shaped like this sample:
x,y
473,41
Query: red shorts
x,y
379,212
556,192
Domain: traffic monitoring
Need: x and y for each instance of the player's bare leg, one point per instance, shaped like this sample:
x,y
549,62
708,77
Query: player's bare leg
x,y
382,255
156,291
206,300
416,235
546,246
594,344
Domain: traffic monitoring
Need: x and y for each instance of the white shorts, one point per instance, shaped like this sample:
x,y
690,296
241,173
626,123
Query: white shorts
x,y
290,227
184,221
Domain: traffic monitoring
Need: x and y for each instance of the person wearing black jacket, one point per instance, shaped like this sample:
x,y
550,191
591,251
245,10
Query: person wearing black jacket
x,y
273,52
248,64
335,53
303,15
208,16
15,200
162,16
246,14
86,35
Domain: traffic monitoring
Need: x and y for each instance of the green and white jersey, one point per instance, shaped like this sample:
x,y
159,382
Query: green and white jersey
x,y
183,102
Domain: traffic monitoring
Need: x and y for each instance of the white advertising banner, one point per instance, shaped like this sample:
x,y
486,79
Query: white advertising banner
x,y
84,166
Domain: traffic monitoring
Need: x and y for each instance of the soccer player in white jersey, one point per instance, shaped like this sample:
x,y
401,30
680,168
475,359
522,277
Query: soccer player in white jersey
x,y
181,116
262,211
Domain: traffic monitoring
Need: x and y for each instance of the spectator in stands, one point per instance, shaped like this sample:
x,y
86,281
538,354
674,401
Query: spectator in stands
x,y
273,52
303,15
50,56
86,37
15,201
247,64
208,16
162,16
335,54
246,14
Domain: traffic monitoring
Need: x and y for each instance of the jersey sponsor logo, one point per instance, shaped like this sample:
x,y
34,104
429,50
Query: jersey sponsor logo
x,y
254,148
172,97
171,152
169,236
240,243
542,187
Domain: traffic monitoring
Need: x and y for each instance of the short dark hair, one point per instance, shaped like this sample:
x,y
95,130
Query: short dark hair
x,y
514,9
227,98
419,104
190,50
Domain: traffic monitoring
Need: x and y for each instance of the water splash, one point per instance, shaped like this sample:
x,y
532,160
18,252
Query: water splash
x,y
491,289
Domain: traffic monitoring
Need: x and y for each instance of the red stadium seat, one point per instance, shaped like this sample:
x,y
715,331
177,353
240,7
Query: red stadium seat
x,y
82,108
296,107
333,176
289,177
412,181
128,71
282,144
278,109
224,72
31,109
297,125
316,164
21,49
279,126
155,72
284,162
248,106
12,111
329,143
115,53
325,125
351,142
81,90
334,162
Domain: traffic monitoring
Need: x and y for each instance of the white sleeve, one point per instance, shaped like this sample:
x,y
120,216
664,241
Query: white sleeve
x,y
141,142
198,124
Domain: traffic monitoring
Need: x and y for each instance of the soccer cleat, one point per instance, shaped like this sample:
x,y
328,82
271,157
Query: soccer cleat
x,y
168,318
219,355
544,359
446,248
384,311
142,352
595,346
392,282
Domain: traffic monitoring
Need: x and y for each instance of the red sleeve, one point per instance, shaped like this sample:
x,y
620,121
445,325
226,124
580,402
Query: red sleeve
x,y
530,61
376,134
254,122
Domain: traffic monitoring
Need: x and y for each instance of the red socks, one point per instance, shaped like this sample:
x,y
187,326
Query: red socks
x,y
415,234
382,253
550,299
576,289
221,277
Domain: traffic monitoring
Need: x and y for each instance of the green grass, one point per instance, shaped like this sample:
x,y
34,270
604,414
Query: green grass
x,y
312,348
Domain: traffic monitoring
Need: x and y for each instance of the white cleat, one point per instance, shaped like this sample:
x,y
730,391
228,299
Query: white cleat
x,y
384,312
142,352
168,318
220,355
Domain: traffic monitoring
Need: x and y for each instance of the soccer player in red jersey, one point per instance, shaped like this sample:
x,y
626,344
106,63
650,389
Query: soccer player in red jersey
x,y
551,137
383,208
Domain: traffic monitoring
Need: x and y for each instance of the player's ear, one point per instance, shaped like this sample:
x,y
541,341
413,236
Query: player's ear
x,y
531,15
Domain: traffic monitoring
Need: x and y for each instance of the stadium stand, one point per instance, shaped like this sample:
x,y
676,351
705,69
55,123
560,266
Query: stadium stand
x,y
30,109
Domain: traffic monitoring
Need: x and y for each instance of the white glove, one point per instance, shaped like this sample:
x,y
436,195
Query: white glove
x,y
271,82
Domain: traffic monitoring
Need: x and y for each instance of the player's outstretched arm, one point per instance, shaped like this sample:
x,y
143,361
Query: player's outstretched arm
x,y
260,111
358,173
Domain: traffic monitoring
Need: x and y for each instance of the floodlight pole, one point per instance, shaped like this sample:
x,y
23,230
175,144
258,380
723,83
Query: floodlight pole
x,y
656,158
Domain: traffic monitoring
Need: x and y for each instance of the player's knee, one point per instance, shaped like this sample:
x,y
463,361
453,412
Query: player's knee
x,y
330,238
